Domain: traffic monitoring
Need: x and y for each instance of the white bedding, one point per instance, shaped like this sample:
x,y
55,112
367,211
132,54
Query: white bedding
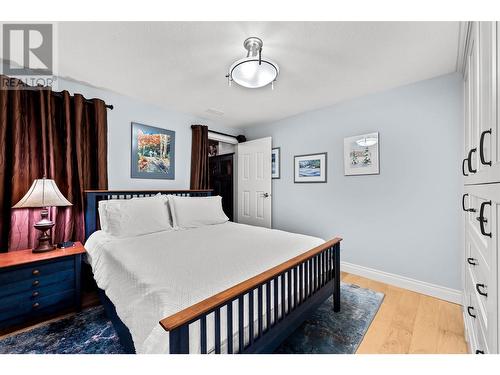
x,y
154,276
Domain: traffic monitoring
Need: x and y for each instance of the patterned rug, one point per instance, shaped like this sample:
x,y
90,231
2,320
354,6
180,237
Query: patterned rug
x,y
90,332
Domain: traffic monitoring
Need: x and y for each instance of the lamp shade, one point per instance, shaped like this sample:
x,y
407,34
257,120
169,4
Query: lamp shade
x,y
43,193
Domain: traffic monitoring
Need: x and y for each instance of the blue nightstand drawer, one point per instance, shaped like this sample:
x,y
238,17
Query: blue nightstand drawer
x,y
36,270
35,283
15,303
30,309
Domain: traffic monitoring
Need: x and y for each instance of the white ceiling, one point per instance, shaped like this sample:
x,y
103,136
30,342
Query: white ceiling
x,y
182,65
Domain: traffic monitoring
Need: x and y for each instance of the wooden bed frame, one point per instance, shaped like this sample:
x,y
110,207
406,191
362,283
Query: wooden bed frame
x,y
306,281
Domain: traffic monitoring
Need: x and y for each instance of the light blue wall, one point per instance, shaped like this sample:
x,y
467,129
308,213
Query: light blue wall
x,y
405,221
125,111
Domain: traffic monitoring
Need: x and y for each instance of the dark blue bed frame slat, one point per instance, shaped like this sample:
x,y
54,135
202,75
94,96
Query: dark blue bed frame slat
x,y
304,287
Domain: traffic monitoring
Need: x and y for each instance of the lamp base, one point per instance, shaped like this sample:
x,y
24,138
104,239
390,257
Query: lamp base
x,y
43,248
45,239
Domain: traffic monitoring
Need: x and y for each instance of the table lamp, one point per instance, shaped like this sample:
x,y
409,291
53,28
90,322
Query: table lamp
x,y
43,193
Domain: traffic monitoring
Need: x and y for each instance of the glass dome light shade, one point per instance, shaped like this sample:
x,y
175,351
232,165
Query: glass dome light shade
x,y
249,73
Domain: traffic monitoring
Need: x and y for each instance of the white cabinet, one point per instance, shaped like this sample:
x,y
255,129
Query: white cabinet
x,y
481,200
481,259
482,151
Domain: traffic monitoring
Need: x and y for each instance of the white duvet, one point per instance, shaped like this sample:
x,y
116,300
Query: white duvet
x,y
151,277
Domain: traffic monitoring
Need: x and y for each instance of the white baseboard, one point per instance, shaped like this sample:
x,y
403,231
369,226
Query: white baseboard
x,y
433,290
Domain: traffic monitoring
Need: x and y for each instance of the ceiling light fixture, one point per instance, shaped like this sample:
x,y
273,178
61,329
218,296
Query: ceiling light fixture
x,y
253,71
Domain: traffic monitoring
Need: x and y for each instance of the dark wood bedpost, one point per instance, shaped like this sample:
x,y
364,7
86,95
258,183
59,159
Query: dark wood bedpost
x,y
336,277
179,340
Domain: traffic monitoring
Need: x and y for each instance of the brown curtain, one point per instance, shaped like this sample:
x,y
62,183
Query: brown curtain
x,y
199,157
60,136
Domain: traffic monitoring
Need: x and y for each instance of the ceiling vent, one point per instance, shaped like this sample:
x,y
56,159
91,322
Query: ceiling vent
x,y
213,111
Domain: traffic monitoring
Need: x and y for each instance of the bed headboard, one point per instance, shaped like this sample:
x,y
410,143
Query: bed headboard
x,y
92,198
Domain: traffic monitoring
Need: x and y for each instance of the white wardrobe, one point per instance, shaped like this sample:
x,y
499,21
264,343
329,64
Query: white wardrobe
x,y
481,199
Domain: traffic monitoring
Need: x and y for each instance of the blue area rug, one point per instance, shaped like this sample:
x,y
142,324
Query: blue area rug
x,y
90,332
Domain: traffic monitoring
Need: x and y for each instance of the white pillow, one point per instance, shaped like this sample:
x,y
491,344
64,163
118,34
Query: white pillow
x,y
193,212
134,217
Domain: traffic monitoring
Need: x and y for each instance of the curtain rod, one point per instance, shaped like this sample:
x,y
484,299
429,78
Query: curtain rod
x,y
59,94
239,138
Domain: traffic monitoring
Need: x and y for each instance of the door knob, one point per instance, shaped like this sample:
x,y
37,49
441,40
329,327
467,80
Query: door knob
x,y
265,195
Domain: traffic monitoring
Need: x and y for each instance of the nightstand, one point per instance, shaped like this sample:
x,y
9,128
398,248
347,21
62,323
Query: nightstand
x,y
34,286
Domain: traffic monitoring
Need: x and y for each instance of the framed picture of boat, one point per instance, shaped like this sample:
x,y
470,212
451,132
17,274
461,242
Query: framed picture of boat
x,y
361,155
152,152
310,168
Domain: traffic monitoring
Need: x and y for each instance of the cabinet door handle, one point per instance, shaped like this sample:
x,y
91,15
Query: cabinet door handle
x,y
479,351
469,161
36,283
472,261
35,294
469,309
463,204
35,272
482,219
463,168
478,288
481,148
36,305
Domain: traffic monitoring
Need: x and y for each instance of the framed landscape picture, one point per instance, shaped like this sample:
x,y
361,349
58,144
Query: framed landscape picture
x,y
275,162
361,154
310,168
153,152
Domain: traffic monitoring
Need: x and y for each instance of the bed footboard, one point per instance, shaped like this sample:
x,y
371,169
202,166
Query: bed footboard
x,y
285,295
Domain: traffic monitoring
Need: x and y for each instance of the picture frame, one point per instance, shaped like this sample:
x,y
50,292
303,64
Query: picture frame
x,y
152,152
276,163
362,154
310,168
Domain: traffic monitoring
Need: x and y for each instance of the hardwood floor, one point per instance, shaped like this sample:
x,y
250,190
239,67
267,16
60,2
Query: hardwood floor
x,y
409,322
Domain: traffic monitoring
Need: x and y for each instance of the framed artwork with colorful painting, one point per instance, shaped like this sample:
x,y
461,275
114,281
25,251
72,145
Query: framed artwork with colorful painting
x,y
361,154
153,152
310,168
275,163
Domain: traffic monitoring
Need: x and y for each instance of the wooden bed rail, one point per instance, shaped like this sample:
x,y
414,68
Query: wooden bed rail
x,y
190,313
306,281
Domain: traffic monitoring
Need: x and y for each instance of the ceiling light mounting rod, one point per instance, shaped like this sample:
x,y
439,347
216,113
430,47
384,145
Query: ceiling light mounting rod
x,y
253,45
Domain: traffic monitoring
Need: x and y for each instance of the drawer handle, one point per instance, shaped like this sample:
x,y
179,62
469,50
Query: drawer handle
x,y
463,204
463,168
469,161
36,283
478,288
35,294
479,351
35,272
36,305
472,261
482,219
481,148
469,309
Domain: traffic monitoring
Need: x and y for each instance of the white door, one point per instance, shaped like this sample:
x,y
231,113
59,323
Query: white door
x,y
254,182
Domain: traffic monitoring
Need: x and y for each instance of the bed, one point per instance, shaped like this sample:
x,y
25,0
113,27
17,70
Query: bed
x,y
225,288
